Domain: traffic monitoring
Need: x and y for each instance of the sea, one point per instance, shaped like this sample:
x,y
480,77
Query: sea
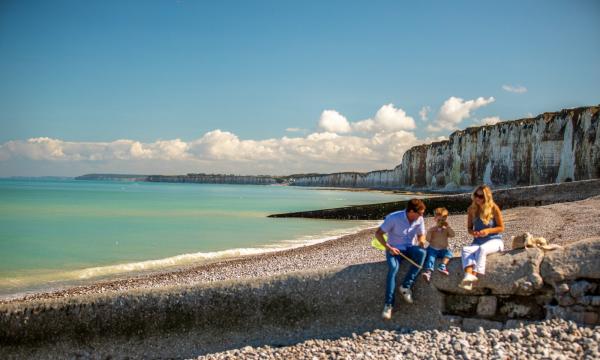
x,y
56,233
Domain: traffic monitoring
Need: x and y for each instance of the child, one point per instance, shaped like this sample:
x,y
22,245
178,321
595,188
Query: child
x,y
437,237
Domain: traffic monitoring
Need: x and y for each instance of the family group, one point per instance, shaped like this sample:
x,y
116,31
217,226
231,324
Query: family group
x,y
407,238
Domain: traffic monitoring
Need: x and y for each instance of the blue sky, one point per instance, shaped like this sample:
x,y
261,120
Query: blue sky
x,y
178,79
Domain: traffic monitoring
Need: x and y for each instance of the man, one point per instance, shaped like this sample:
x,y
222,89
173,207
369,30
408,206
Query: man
x,y
402,228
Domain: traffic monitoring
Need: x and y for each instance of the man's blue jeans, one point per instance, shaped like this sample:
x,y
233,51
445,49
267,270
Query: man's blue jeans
x,y
416,254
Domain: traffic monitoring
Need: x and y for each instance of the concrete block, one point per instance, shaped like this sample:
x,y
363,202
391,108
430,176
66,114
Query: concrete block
x,y
486,307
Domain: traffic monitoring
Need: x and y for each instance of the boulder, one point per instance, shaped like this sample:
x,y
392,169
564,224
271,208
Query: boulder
x,y
575,261
514,272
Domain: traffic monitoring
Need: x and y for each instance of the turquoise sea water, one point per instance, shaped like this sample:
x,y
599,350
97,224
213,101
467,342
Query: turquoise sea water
x,y
60,232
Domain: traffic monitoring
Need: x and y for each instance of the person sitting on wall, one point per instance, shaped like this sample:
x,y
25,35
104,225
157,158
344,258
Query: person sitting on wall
x,y
485,223
402,228
437,237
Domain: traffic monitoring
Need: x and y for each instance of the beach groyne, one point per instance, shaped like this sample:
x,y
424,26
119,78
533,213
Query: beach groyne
x,y
506,198
520,286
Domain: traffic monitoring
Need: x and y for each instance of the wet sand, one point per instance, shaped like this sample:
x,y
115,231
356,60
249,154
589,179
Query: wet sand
x,y
561,224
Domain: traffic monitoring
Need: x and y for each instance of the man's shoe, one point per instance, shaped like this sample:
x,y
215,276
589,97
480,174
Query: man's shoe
x,y
443,269
427,275
387,312
406,294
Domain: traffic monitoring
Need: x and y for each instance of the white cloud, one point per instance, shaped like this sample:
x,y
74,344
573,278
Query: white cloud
x,y
492,120
391,119
293,129
377,143
387,118
514,89
217,151
333,121
454,110
424,113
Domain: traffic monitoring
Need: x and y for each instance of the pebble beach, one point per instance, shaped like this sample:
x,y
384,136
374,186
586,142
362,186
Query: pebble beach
x,y
552,340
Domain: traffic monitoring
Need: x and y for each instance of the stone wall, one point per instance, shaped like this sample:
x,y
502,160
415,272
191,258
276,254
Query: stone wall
x,y
527,285
520,286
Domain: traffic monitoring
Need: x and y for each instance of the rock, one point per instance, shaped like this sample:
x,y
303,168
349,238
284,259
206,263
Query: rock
x,y
566,300
576,260
555,312
584,300
590,318
453,320
562,288
515,323
510,273
514,273
595,301
461,304
518,310
450,283
472,324
579,288
486,306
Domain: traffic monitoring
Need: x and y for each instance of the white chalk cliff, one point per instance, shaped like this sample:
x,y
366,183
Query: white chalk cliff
x,y
550,148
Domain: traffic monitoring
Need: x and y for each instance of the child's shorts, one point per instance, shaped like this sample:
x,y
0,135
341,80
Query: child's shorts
x,y
438,254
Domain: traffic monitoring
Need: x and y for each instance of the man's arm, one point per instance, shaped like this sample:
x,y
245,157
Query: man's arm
x,y
379,236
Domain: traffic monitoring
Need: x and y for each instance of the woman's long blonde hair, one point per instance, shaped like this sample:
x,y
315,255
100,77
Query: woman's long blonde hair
x,y
485,211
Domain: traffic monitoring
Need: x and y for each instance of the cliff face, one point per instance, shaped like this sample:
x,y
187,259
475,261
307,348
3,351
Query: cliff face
x,y
550,148
373,179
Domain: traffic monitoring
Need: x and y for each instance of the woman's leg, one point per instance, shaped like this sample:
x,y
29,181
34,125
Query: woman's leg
x,y
487,248
390,287
469,258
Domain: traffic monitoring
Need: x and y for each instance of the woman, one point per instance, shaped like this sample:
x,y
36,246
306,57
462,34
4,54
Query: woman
x,y
484,222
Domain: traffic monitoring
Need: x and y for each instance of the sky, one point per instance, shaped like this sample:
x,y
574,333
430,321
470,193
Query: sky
x,y
276,87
